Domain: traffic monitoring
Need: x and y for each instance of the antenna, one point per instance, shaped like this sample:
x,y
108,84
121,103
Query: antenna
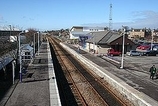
x,y
110,18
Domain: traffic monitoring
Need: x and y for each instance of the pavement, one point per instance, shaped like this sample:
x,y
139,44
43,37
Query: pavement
x,y
38,86
35,88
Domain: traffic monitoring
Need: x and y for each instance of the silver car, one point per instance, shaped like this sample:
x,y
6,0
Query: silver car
x,y
134,53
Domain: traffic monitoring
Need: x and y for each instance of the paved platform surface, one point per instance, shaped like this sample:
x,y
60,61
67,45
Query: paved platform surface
x,y
35,89
38,86
133,75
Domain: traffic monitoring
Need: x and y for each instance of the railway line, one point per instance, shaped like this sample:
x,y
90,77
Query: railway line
x,y
78,85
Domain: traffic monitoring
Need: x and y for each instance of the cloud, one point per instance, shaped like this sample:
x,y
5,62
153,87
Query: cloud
x,y
31,19
1,17
145,19
140,19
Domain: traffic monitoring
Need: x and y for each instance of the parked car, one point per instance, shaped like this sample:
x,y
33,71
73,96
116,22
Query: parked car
x,y
155,48
150,53
112,52
144,47
134,53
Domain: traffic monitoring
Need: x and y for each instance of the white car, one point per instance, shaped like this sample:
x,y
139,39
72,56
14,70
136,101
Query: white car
x,y
134,53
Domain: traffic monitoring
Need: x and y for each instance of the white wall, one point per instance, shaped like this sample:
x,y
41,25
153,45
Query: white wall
x,y
93,29
73,37
97,48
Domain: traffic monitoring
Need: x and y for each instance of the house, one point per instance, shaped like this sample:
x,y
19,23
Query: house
x,y
101,41
154,36
154,32
137,33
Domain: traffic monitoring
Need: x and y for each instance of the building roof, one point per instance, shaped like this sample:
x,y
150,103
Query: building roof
x,y
5,61
88,27
79,33
26,47
103,37
110,37
97,36
78,27
7,28
8,33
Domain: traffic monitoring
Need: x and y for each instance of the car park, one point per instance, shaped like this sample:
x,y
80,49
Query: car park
x,y
134,53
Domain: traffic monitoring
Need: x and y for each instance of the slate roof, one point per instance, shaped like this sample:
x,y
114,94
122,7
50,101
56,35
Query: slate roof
x,y
5,61
75,33
103,37
96,36
80,27
26,47
110,37
7,28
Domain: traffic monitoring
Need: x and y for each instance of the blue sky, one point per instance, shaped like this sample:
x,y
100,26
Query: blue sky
x,y
58,14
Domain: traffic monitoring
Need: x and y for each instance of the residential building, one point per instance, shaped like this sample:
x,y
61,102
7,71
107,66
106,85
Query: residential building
x,y
136,33
154,32
154,36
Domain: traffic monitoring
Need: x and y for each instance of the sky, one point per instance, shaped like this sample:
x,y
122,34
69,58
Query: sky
x,y
63,14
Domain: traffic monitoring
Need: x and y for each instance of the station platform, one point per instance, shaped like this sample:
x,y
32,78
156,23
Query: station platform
x,y
38,86
133,82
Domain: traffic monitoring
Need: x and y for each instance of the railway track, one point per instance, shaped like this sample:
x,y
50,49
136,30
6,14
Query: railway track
x,y
88,89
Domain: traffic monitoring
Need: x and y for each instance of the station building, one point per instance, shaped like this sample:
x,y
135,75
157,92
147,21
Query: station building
x,y
101,41
80,33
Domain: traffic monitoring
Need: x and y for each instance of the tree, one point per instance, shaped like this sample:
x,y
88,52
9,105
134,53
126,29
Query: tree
x,y
30,35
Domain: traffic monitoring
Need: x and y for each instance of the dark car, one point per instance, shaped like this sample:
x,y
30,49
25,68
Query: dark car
x,y
150,53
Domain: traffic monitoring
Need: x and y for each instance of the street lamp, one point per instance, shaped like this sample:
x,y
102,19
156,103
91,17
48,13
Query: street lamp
x,y
34,36
20,72
93,45
93,42
38,43
152,39
10,29
125,31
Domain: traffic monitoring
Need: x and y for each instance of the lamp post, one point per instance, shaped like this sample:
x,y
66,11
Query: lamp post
x,y
152,39
20,58
93,43
38,43
10,30
34,44
125,30
20,71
